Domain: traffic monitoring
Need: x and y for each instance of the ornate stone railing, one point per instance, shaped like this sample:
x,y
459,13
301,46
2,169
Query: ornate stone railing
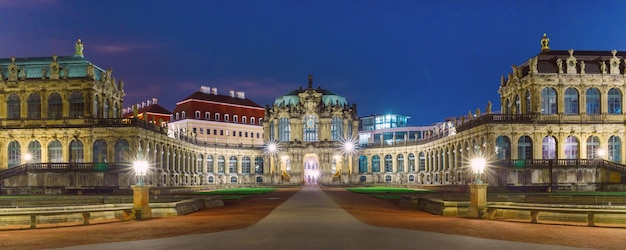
x,y
63,166
556,163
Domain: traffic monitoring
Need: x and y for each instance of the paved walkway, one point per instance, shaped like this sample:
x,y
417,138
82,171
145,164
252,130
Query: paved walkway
x,y
311,220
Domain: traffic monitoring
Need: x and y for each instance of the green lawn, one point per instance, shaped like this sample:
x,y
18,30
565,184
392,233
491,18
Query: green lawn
x,y
385,190
239,191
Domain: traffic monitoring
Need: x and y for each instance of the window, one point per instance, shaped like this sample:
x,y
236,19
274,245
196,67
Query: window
x,y
14,154
233,179
99,151
400,163
55,151
13,107
571,101
283,129
34,106
503,148
336,128
243,119
177,117
571,147
310,126
217,116
232,165
55,106
235,118
411,162
251,120
528,106
260,121
615,101
548,101
376,164
34,149
525,148
221,164
207,115
105,109
548,148
76,151
593,101
258,165
362,164
422,162
226,117
183,115
122,149
593,145
197,114
201,131
209,164
615,149
245,165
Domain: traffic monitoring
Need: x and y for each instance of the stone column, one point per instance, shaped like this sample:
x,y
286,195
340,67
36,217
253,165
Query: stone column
x,y
478,201
141,202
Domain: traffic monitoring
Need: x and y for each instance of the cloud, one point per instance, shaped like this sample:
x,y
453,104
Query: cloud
x,y
122,48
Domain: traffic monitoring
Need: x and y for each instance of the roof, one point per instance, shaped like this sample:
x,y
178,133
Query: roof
x,y
328,97
155,109
221,99
34,67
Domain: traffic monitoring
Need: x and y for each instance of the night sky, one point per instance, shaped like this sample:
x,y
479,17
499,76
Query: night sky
x,y
426,59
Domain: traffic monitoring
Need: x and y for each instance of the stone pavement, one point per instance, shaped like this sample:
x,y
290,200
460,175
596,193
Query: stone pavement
x,y
311,220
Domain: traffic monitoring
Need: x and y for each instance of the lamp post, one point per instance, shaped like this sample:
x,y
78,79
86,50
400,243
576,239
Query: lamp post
x,y
478,189
271,151
141,192
349,149
27,158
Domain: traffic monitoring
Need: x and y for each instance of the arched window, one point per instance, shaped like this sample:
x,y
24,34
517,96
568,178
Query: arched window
x,y
251,120
503,148
14,152
615,101
235,118
207,115
388,164
233,179
232,165
55,106
593,145
244,120
99,151
422,162
309,128
272,134
258,165
13,107
284,129
34,149
571,101
209,164
336,128
518,105
105,109
77,105
362,164
525,148
34,106
411,162
548,148
95,106
197,114
571,147
183,115
593,101
528,106
245,165
55,151
400,163
122,150
76,151
548,101
375,164
226,116
615,150
217,117
221,164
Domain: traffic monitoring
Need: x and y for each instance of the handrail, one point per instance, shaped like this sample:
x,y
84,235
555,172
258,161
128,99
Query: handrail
x,y
545,163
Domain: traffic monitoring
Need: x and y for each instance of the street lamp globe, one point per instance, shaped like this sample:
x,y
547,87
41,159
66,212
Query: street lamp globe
x,y
478,168
141,169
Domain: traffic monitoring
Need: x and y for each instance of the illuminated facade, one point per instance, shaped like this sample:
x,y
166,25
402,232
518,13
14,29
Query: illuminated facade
x,y
561,125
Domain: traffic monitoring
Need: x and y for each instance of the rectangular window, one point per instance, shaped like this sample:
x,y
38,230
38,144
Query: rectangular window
x,y
201,131
215,131
221,132
239,133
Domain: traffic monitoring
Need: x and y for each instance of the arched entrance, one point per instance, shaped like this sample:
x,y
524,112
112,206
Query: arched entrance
x,y
311,169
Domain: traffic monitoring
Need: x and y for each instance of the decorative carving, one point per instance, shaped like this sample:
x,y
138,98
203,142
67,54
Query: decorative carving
x,y
582,67
90,71
23,74
559,65
614,62
533,64
571,62
13,70
79,48
545,43
43,73
1,76
603,67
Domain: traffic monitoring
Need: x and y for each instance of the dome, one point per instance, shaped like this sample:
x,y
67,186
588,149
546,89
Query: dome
x,y
328,98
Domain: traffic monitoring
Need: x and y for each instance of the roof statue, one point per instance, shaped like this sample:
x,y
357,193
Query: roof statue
x,y
310,81
79,48
545,43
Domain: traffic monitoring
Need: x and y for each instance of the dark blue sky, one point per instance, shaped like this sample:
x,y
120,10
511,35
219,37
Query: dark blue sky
x,y
427,59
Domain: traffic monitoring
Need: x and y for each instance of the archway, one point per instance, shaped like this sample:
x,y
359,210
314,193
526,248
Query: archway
x,y
311,169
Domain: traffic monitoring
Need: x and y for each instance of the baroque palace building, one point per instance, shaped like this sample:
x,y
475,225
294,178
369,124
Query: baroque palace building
x,y
561,125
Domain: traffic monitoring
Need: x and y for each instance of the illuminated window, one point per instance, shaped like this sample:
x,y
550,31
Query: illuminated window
x,y
310,127
615,101
593,101
571,101
571,147
548,148
548,101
